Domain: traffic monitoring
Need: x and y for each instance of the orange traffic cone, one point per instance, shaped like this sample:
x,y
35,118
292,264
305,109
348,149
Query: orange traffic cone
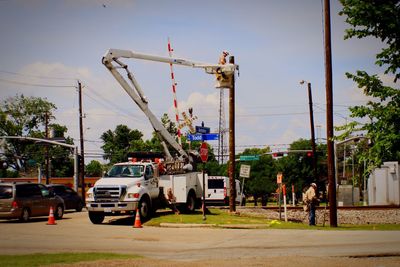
x,y
51,220
137,224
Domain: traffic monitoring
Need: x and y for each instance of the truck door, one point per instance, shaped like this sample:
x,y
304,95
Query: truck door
x,y
151,182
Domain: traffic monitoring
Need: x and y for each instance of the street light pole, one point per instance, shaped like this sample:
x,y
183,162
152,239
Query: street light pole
x,y
314,154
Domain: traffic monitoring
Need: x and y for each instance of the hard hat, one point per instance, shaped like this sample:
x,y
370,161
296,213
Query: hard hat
x,y
225,52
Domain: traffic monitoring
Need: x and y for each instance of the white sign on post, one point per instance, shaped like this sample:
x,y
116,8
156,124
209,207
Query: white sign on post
x,y
244,171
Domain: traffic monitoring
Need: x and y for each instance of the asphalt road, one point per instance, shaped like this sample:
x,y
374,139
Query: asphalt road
x,y
75,233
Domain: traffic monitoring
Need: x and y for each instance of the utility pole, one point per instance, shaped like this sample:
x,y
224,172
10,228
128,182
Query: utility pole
x,y
314,153
231,166
82,158
46,129
329,115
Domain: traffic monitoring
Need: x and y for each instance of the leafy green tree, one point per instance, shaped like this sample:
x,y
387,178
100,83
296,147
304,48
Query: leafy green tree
x,y
297,168
22,116
262,179
119,142
94,169
379,19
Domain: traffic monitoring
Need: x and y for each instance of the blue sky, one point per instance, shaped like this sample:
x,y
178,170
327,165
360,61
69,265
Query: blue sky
x,y
275,43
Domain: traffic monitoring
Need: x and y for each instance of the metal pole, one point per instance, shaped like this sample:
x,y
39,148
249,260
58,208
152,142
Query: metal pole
x,y
329,115
46,125
204,196
76,171
241,193
231,170
314,154
82,161
280,196
293,196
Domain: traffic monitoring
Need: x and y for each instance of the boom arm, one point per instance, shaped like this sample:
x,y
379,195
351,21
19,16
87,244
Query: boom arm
x,y
112,61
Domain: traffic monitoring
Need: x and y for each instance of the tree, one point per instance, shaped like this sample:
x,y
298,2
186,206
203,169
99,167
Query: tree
x,y
94,169
60,157
119,142
22,116
379,19
262,179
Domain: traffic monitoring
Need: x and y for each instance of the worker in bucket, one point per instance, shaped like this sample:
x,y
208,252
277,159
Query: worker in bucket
x,y
222,58
310,200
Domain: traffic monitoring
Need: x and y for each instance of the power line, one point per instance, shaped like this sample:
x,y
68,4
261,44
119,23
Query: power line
x,y
36,76
35,84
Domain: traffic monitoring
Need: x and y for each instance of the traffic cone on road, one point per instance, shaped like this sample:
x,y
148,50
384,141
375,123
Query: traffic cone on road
x,y
137,224
51,220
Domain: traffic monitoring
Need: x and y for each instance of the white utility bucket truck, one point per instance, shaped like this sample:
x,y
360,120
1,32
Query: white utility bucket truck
x,y
146,185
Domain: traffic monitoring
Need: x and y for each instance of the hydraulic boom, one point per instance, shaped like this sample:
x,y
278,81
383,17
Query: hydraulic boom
x,y
112,60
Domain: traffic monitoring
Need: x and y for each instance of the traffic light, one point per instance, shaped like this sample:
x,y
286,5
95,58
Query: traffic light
x,y
278,154
309,154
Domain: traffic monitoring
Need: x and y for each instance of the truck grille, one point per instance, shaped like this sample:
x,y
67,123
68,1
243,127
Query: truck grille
x,y
109,193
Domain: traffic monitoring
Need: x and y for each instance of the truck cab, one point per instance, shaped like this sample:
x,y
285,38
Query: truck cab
x,y
126,187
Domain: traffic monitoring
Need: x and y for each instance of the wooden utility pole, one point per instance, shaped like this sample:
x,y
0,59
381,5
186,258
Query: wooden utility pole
x,y
82,157
232,163
329,116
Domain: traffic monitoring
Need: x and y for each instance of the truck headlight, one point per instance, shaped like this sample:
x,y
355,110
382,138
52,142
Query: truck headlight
x,y
89,195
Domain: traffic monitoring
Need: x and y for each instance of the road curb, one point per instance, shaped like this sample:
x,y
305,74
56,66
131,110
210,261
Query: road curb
x,y
243,226
187,225
226,226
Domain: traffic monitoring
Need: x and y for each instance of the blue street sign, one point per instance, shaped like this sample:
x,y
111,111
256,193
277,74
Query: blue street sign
x,y
203,137
195,137
249,157
202,130
210,137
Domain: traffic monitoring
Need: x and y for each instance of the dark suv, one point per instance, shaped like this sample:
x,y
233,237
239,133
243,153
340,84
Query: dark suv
x,y
71,198
25,200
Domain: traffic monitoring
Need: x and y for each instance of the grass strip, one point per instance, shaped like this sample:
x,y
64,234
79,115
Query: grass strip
x,y
220,218
41,259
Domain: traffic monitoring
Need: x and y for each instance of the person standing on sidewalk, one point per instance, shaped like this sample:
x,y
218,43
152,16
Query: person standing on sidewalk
x,y
310,199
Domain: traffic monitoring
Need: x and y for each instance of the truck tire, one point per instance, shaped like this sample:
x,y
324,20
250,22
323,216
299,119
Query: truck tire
x,y
96,217
25,215
144,209
191,202
59,212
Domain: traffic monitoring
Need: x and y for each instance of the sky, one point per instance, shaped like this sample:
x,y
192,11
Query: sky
x,y
46,46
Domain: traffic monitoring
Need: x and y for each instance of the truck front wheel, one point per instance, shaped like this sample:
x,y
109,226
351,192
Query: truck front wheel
x,y
96,217
144,209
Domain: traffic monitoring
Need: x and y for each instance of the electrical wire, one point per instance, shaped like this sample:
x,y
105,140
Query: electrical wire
x,y
36,85
35,76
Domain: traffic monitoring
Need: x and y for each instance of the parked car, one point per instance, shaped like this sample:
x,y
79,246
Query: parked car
x,y
25,200
71,198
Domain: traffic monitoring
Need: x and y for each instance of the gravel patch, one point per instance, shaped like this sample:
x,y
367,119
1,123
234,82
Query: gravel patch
x,y
356,217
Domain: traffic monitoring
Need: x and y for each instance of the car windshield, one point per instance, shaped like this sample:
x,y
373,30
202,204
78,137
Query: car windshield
x,y
5,192
126,171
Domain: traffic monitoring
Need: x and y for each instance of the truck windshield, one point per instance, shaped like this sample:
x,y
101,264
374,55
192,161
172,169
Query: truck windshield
x,y
126,171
